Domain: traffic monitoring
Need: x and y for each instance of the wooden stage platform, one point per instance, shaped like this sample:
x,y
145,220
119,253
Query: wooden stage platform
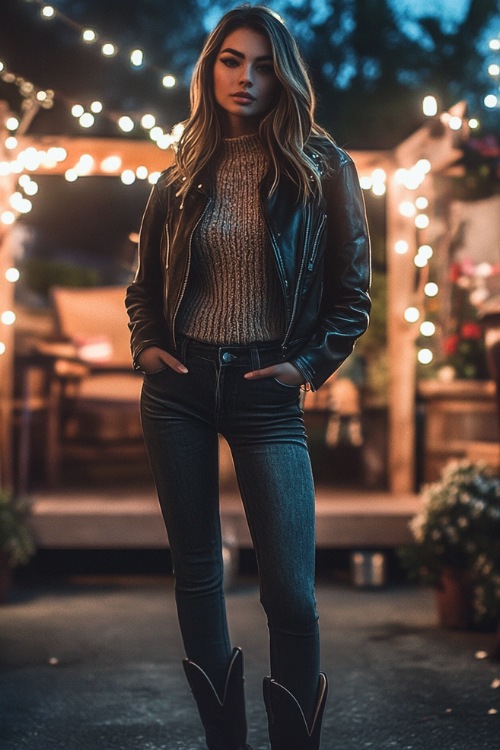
x,y
130,518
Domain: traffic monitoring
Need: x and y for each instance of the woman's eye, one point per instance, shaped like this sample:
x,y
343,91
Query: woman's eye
x,y
229,61
266,69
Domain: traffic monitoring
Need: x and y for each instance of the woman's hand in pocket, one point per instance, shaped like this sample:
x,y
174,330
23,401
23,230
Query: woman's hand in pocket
x,y
153,359
284,372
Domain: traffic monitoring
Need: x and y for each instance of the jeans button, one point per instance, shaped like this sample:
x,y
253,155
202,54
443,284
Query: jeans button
x,y
227,357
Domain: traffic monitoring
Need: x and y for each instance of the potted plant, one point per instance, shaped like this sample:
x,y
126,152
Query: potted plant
x,y
16,543
457,544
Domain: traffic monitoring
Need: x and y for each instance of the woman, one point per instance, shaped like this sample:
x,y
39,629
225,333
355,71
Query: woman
x,y
252,284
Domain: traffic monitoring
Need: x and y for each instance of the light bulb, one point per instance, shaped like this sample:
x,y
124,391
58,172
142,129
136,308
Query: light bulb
x,y
411,314
427,328
137,57
429,106
108,49
12,275
425,356
401,247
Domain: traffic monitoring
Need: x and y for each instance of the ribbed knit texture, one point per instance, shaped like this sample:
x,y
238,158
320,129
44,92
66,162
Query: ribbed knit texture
x,y
233,295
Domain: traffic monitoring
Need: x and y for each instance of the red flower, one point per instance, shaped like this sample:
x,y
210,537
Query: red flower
x,y
450,345
471,331
455,272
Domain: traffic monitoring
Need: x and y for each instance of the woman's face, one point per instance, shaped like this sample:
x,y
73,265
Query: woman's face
x,y
245,84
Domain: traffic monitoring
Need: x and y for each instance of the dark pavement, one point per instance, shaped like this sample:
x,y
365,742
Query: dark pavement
x,y
94,664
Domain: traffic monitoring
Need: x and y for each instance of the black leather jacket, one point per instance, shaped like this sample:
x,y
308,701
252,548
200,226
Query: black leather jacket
x,y
322,255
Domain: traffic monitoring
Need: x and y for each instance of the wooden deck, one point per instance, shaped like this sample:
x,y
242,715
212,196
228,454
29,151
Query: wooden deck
x,y
118,518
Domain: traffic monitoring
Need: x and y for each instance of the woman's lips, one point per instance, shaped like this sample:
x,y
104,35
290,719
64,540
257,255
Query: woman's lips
x,y
242,97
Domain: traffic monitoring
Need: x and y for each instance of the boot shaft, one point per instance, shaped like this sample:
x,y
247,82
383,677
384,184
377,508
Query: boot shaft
x,y
288,728
223,717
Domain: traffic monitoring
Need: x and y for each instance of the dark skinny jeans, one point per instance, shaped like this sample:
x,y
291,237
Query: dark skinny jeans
x,y
182,415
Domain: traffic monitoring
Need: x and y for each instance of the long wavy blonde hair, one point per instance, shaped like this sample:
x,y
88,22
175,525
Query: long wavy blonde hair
x,y
284,131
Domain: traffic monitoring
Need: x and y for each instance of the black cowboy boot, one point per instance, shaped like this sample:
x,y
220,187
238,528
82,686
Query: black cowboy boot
x,y
224,720
288,729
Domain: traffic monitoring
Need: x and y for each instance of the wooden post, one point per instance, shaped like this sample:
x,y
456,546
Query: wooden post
x,y
6,331
401,341
438,145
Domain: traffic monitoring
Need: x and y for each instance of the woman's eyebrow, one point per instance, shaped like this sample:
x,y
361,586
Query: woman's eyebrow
x,y
242,56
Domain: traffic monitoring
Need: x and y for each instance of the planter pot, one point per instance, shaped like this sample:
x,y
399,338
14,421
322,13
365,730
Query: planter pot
x,y
454,600
5,577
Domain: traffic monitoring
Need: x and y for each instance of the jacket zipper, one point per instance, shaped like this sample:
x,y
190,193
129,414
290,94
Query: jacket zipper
x,y
186,276
310,265
299,281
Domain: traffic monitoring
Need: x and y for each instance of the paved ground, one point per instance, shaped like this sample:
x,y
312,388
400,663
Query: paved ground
x,y
94,664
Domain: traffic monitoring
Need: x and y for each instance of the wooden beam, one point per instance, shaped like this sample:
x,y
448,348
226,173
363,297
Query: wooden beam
x,y
131,154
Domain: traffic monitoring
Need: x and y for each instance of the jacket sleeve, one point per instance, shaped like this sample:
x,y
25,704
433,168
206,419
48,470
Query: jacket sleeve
x,y
144,297
345,304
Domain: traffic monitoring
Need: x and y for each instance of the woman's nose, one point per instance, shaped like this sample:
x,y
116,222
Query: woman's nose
x,y
246,78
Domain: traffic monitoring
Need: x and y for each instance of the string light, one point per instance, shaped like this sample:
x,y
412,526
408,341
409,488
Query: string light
x,y
412,314
126,124
431,289
429,106
12,123
44,98
31,159
12,275
401,247
8,317
168,81
425,356
422,221
127,177
420,261
7,217
108,49
148,121
111,164
407,208
455,123
88,35
86,120
427,328
48,11
425,251
137,57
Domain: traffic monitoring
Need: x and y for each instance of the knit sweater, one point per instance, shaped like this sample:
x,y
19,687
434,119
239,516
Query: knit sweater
x,y
233,293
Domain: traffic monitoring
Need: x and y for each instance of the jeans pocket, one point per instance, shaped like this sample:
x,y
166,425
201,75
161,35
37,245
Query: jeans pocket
x,y
285,385
157,372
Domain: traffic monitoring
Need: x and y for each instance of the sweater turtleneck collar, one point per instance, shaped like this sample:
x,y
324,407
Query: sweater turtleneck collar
x,y
242,144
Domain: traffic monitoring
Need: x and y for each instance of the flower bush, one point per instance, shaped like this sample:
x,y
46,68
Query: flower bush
x,y
459,527
15,539
463,345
